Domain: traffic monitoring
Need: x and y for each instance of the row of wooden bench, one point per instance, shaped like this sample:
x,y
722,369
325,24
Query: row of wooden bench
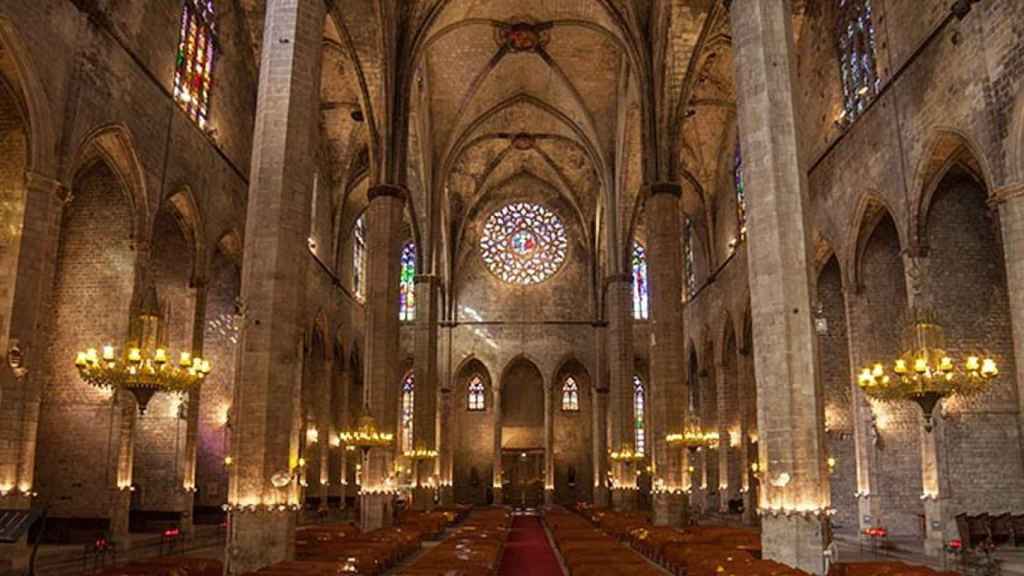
x,y
998,530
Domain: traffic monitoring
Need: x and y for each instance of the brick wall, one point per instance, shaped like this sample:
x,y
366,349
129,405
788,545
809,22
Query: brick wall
x,y
966,282
220,347
834,351
160,433
473,438
89,307
572,438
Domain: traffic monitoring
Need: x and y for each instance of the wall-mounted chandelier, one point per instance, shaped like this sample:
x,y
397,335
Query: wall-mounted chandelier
x,y
143,366
924,373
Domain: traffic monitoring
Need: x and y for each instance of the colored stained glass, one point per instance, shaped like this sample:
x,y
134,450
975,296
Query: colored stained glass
x,y
475,402
523,243
641,302
570,395
359,257
858,67
741,195
194,61
407,290
689,266
408,411
639,402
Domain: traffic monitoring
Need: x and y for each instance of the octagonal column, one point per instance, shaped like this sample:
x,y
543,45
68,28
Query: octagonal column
x,y
426,405
790,413
496,483
549,445
265,437
668,387
381,381
619,306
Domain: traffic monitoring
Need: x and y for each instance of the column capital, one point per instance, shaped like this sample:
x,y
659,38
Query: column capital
x,y
670,188
388,190
37,181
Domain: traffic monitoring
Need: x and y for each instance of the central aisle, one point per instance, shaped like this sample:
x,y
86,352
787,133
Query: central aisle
x,y
528,551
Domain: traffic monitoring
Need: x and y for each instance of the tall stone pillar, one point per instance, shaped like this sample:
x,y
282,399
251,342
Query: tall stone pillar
x,y
549,445
668,388
722,462
619,304
599,402
790,412
33,276
748,411
341,423
381,381
1011,223
447,454
426,405
264,443
188,455
322,468
496,483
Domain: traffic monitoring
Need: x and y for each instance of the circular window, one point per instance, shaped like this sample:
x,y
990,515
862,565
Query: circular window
x,y
523,243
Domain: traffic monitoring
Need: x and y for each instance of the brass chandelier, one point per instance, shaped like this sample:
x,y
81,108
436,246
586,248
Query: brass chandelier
x,y
366,436
626,455
924,373
143,365
693,438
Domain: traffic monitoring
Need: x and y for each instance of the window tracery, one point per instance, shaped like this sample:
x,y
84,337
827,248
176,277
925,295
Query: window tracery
x,y
523,243
570,395
858,66
741,194
359,257
689,265
193,67
408,411
641,301
407,288
475,401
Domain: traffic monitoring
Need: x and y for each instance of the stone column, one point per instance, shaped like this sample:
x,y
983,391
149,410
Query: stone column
x,y
599,401
619,304
496,483
668,388
1011,224
447,495
341,423
323,425
549,445
265,440
33,275
748,410
381,381
790,411
722,428
188,462
426,406
124,413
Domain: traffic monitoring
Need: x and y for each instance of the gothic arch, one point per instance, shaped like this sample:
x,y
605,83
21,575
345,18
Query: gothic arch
x,y
871,209
32,98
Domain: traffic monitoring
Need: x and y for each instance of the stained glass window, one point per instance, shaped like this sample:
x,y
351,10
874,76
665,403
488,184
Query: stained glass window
x,y
194,62
408,411
857,56
359,257
641,308
407,290
640,436
741,194
570,395
523,243
476,395
689,266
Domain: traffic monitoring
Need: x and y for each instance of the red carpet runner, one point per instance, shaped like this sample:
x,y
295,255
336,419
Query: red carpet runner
x,y
527,550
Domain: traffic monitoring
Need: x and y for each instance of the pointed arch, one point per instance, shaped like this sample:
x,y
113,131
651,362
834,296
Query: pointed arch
x,y
115,145
31,94
871,209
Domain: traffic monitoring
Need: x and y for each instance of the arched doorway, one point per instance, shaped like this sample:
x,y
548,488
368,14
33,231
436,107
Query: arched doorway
x,y
522,434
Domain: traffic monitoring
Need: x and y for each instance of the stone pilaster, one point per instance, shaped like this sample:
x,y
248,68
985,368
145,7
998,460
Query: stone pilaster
x,y
1011,223
668,386
790,411
265,437
722,454
188,455
619,307
426,406
339,481
322,468
381,381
